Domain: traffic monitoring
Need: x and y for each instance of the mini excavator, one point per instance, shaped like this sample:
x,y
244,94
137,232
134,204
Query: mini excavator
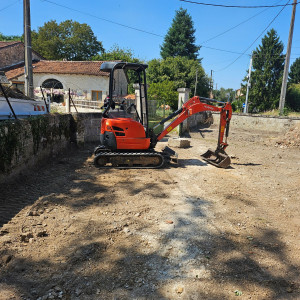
x,y
126,141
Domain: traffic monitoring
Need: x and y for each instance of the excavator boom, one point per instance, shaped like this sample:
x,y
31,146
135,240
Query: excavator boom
x,y
218,157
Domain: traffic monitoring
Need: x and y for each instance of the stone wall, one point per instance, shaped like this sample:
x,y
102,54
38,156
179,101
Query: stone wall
x,y
87,127
25,143
28,142
260,123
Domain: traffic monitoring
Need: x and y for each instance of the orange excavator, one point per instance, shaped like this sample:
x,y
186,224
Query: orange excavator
x,y
126,141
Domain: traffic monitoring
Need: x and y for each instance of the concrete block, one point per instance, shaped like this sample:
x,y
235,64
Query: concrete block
x,y
179,143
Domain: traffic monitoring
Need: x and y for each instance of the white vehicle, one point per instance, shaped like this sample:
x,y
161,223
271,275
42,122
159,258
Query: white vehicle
x,y
22,108
16,105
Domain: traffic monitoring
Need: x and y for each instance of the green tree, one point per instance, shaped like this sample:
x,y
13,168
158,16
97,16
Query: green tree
x,y
224,94
293,97
294,74
9,38
266,77
117,53
181,71
164,92
180,39
68,40
122,54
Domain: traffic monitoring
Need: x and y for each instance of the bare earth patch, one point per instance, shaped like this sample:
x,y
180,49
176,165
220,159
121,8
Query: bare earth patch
x,y
192,231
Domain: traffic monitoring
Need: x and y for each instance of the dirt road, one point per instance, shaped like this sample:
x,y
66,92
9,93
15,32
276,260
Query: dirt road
x,y
70,231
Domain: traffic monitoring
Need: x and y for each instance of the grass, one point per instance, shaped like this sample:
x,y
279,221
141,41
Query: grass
x,y
159,115
275,113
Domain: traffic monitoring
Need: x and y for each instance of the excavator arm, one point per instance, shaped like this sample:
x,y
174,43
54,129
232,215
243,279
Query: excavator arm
x,y
195,105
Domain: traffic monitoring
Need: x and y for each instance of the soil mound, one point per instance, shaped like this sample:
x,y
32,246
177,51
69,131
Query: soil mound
x,y
290,139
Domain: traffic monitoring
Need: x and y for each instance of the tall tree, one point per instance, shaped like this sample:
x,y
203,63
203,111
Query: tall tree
x,y
117,53
266,79
180,39
181,71
68,40
294,74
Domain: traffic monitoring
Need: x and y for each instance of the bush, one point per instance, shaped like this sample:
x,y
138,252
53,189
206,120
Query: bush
x,y
293,97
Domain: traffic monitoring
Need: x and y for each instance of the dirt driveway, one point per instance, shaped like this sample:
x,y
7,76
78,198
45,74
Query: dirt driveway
x,y
70,231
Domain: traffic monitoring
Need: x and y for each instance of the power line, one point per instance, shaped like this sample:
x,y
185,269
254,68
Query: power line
x,y
223,50
236,6
256,38
236,25
103,19
9,5
134,28
130,27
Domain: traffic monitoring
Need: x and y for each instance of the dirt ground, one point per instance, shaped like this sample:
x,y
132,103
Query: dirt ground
x,y
71,231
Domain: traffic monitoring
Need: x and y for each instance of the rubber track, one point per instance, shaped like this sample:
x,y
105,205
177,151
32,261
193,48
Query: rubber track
x,y
133,154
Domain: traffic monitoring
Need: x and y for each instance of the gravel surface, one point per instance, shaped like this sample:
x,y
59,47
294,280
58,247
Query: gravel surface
x,y
191,231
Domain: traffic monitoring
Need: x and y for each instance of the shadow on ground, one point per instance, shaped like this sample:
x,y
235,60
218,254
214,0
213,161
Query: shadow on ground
x,y
91,265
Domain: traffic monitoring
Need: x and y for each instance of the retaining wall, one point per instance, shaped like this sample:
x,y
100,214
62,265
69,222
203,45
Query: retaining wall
x,y
28,142
261,123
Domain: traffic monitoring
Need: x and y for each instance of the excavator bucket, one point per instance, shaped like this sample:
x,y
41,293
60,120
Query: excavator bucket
x,y
218,158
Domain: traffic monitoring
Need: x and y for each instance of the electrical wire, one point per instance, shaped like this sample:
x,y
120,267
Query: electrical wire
x,y
9,5
137,29
130,27
103,19
256,38
223,50
222,33
237,6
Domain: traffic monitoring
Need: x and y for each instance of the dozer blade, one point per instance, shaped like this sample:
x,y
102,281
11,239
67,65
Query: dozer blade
x,y
217,158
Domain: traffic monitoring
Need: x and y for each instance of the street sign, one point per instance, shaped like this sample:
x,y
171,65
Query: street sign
x,y
244,105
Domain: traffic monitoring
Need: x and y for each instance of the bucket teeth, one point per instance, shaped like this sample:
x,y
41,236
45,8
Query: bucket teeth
x,y
217,158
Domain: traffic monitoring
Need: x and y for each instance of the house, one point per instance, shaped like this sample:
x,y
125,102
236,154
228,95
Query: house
x,y
84,78
12,56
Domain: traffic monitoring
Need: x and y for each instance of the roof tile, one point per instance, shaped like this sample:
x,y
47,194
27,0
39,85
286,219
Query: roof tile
x,y
62,67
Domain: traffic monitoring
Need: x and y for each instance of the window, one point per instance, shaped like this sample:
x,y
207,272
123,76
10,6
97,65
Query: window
x,y
97,95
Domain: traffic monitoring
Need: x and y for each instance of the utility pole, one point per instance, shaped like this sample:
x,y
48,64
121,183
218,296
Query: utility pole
x,y
28,50
211,84
248,85
287,61
196,82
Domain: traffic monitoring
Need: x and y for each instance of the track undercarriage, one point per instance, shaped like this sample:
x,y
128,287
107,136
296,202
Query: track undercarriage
x,y
105,159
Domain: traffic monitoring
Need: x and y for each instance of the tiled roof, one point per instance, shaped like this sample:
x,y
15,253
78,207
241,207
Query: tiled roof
x,y
61,67
130,97
5,44
12,74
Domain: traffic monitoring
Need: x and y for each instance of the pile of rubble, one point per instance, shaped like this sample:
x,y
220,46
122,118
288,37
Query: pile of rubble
x,y
290,139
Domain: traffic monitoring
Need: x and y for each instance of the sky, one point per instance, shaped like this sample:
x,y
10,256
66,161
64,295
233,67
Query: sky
x,y
140,25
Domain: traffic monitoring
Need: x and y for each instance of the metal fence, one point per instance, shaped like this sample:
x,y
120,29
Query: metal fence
x,y
88,104
158,111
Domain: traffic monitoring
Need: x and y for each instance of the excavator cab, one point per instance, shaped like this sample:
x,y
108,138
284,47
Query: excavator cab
x,y
124,124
